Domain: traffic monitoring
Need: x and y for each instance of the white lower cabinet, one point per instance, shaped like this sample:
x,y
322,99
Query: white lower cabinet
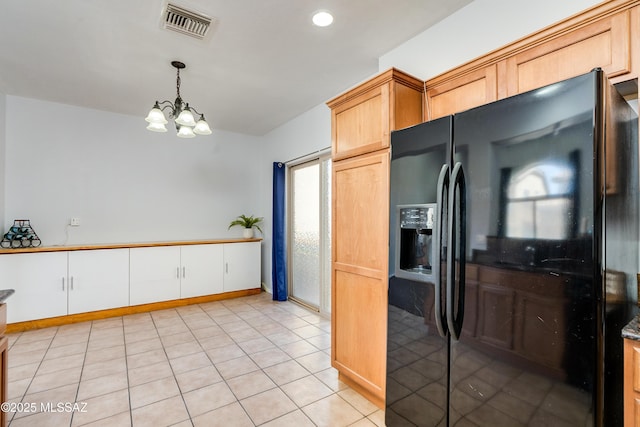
x,y
241,266
51,284
154,274
163,273
201,270
40,282
58,283
98,279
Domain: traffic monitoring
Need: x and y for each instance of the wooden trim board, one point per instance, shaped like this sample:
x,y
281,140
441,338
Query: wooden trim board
x,y
124,245
123,311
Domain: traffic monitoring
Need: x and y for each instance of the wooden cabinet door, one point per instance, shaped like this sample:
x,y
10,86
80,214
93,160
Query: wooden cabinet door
x,y
4,380
496,305
98,279
241,266
631,383
154,274
360,216
541,342
469,91
201,270
40,282
604,43
362,118
361,125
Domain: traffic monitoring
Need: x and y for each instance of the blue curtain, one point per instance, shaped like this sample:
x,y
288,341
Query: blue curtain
x,y
278,242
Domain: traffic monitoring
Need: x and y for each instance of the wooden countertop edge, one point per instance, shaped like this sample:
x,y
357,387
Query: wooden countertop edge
x,y
124,245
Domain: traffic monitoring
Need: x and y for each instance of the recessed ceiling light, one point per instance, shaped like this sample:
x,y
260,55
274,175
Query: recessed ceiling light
x,y
322,18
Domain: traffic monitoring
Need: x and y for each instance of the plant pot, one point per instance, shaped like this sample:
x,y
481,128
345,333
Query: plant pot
x,y
247,233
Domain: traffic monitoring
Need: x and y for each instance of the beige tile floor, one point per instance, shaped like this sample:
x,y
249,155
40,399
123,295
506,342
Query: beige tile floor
x,y
242,362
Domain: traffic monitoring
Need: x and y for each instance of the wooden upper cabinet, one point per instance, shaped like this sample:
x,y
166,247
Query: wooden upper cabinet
x,y
605,43
362,118
605,36
470,90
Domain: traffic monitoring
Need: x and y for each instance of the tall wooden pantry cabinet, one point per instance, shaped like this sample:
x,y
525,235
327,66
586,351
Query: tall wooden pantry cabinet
x,y
361,122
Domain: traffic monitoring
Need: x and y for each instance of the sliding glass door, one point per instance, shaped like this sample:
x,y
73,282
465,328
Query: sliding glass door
x,y
310,232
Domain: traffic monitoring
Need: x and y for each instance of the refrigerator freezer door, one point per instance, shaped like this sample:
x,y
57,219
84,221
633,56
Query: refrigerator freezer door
x,y
417,345
527,347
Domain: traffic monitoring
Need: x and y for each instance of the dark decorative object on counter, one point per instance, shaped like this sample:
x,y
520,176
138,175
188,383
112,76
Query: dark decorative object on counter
x,y
20,235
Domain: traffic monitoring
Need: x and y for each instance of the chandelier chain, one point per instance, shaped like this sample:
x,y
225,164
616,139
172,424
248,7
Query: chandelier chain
x,y
178,83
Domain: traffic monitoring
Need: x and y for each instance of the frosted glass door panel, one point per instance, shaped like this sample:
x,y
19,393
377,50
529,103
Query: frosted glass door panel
x,y
325,233
305,226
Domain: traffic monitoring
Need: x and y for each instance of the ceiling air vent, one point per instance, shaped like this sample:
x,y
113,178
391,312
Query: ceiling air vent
x,y
187,22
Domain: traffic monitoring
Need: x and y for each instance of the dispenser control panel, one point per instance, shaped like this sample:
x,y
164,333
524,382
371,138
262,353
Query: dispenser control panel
x,y
417,217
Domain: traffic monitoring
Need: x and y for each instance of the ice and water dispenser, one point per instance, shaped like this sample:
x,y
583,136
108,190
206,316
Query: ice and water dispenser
x,y
414,241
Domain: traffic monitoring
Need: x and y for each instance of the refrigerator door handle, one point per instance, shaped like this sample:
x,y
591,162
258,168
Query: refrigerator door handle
x,y
457,240
441,202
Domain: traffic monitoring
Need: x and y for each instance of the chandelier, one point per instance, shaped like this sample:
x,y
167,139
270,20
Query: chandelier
x,y
180,111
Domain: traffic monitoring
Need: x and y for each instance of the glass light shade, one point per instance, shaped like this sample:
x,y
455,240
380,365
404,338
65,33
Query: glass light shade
x,y
202,127
186,132
322,18
157,127
186,118
156,116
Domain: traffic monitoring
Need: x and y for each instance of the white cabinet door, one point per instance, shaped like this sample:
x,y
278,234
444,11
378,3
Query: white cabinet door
x,y
241,266
40,282
154,274
201,270
98,279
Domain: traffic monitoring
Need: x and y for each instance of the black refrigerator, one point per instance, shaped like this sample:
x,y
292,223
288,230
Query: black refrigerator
x,y
513,260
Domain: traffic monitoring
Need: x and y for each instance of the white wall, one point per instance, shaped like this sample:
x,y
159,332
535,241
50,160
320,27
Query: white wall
x,y
307,133
126,184
474,30
3,103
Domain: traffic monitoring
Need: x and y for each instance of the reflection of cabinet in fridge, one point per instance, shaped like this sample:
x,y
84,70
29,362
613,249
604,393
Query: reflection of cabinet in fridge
x,y
503,313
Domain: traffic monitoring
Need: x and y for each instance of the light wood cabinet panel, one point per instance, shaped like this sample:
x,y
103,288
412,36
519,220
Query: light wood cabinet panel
x,y
471,90
631,383
362,119
360,126
606,36
360,211
604,43
359,274
360,343
4,372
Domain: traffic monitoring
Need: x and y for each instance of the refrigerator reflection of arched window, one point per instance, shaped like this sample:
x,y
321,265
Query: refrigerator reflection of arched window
x,y
540,200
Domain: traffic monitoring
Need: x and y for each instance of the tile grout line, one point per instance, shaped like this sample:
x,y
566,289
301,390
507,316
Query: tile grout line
x,y
242,310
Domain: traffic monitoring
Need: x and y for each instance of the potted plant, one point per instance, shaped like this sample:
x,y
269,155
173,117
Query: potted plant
x,y
249,223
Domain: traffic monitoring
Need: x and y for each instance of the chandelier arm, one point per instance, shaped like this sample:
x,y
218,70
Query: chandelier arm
x,y
165,104
195,111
